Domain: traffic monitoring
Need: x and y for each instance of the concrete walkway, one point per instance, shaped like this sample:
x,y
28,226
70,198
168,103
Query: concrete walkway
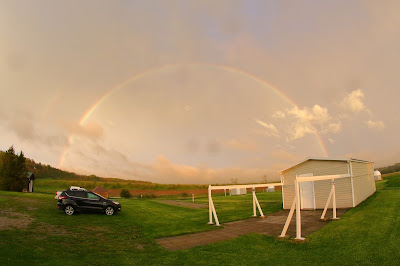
x,y
272,225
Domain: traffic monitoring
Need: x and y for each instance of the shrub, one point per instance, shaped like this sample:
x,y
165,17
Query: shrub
x,y
125,193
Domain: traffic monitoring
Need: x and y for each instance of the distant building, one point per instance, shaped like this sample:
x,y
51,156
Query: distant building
x,y
101,191
30,177
377,175
350,191
237,191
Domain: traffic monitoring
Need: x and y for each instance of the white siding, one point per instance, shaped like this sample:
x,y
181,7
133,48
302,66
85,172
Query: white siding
x,y
321,188
363,181
343,193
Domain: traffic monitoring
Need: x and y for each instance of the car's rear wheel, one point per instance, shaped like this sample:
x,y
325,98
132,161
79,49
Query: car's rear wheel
x,y
69,210
109,210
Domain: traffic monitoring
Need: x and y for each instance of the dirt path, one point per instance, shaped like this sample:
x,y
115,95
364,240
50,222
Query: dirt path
x,y
272,226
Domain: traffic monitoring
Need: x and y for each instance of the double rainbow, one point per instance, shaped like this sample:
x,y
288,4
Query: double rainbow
x,y
138,76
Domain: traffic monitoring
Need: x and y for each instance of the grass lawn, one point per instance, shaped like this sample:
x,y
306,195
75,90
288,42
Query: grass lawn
x,y
33,231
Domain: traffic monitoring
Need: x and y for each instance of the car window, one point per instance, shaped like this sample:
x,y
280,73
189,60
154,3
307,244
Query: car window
x,y
71,193
80,194
93,196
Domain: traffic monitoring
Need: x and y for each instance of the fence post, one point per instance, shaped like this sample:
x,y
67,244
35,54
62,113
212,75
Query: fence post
x,y
254,202
298,214
209,205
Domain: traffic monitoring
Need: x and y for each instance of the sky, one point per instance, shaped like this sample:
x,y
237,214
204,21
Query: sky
x,y
199,91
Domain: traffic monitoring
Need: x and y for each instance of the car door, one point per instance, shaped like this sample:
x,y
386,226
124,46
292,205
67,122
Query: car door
x,y
80,198
93,201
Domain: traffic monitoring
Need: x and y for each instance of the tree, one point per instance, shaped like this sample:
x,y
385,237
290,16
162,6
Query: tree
x,y
12,171
125,194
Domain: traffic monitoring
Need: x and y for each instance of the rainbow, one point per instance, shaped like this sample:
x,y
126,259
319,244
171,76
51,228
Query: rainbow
x,y
137,76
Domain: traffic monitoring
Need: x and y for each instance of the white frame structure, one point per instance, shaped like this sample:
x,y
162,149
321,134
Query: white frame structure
x,y
296,202
211,208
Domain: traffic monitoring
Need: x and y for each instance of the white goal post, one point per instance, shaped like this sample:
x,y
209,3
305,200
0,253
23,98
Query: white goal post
x,y
211,208
296,201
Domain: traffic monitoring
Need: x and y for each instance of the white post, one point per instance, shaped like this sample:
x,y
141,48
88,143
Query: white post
x,y
327,204
334,200
289,218
215,213
209,205
225,191
259,207
211,208
254,202
298,214
193,198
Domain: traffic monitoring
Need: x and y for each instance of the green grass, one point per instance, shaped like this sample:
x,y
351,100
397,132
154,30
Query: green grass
x,y
366,235
392,180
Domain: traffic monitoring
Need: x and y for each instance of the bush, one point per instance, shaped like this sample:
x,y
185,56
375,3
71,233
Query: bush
x,y
125,194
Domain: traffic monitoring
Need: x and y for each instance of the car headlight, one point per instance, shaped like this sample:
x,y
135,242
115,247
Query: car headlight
x,y
116,202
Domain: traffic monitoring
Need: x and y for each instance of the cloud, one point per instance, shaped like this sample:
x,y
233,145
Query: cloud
x,y
307,118
285,156
354,101
278,114
23,128
241,144
91,130
298,131
271,130
378,125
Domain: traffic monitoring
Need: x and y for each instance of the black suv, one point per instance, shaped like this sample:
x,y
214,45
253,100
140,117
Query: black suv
x,y
78,199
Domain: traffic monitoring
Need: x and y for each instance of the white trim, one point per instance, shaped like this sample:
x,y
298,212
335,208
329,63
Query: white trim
x,y
283,194
244,186
313,187
301,190
373,174
321,177
352,183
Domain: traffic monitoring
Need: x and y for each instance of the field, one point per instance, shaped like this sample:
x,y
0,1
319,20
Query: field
x,y
34,232
44,185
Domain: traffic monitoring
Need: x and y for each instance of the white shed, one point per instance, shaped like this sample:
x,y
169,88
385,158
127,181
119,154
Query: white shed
x,y
350,191
377,175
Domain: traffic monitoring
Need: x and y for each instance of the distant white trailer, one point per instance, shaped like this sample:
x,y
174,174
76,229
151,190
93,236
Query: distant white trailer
x,y
270,189
237,191
377,175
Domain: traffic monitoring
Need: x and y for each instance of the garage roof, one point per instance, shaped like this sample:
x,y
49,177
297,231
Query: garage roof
x,y
325,159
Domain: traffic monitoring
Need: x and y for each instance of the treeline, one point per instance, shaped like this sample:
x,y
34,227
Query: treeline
x,y
390,169
11,166
13,174
42,171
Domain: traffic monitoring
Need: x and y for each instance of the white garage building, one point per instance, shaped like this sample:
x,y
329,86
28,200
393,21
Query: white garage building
x,y
350,191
